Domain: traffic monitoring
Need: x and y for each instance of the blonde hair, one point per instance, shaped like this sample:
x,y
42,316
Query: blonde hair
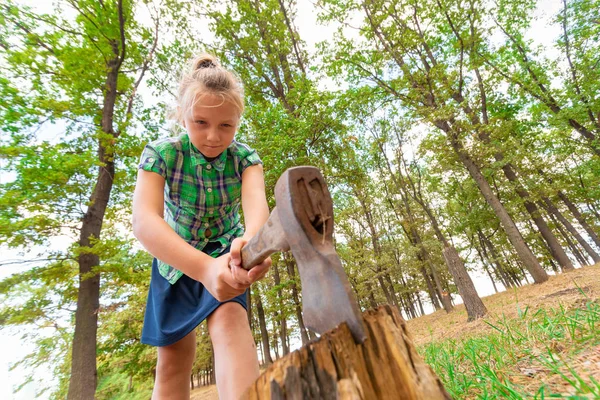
x,y
205,75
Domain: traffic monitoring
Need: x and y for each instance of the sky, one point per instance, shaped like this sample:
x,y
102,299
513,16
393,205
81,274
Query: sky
x,y
12,348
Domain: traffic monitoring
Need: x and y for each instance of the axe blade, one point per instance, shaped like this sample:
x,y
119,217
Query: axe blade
x,y
305,211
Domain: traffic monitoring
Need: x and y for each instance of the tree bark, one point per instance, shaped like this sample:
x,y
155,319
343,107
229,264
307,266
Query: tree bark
x,y
420,303
580,218
574,249
456,267
593,209
296,299
275,344
372,300
282,320
430,289
567,224
375,242
443,294
264,333
484,261
83,380
473,303
554,245
512,232
385,366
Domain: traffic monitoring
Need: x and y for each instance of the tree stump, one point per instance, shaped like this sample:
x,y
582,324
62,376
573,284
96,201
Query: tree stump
x,y
385,366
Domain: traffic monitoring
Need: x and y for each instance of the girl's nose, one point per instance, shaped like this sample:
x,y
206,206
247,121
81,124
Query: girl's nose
x,y
212,135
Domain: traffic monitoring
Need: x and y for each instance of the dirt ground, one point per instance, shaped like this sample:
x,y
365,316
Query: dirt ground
x,y
205,393
565,289
568,289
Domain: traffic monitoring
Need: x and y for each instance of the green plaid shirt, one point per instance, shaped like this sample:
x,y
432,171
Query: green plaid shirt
x,y
202,198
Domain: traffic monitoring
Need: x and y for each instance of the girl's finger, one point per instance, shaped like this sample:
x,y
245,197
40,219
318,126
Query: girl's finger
x,y
259,271
240,275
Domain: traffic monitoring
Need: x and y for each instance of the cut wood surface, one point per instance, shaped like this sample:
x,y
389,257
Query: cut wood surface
x,y
385,366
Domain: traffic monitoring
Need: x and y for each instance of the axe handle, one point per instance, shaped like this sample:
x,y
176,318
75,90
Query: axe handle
x,y
269,239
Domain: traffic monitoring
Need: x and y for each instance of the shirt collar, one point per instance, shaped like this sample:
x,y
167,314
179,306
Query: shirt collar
x,y
199,159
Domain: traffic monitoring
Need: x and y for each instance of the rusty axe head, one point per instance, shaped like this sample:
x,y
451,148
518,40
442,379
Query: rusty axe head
x,y
305,212
302,222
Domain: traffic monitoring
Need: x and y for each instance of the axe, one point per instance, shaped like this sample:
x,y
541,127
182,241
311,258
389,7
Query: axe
x,y
302,222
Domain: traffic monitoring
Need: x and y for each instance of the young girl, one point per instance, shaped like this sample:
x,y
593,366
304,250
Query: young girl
x,y
186,214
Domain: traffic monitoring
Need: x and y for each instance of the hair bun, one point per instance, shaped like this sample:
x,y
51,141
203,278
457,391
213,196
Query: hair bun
x,y
205,64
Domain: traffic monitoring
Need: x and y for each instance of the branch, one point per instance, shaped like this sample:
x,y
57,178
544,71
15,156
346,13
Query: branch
x,y
122,31
572,69
13,262
145,66
293,36
28,31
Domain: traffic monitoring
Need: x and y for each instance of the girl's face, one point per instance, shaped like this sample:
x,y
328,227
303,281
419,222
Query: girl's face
x,y
212,124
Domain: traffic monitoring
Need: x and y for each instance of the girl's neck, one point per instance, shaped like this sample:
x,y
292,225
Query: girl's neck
x,y
211,159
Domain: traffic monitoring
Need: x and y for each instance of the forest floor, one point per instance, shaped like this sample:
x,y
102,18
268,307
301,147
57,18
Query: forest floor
x,y
537,341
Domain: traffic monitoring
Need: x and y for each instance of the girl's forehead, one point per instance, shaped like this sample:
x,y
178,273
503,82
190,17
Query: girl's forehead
x,y
210,104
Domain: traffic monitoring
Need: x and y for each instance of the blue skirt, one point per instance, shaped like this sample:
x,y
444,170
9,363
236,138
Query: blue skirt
x,y
173,311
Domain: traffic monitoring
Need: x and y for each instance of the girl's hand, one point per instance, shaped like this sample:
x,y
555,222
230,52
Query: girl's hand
x,y
239,274
218,280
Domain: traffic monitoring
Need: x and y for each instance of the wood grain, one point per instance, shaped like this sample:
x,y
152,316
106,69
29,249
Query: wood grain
x,y
385,366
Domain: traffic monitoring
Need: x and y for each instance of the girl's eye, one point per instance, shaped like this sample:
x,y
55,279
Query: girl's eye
x,y
201,122
227,125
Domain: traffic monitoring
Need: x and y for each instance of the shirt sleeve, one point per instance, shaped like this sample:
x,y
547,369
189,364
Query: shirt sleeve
x,y
151,161
249,159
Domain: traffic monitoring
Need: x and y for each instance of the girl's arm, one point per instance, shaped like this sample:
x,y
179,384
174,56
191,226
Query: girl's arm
x,y
256,213
254,200
156,235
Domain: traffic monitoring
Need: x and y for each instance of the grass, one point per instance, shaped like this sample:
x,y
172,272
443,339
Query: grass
x,y
547,345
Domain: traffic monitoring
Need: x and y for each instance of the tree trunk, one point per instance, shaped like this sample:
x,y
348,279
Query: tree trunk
x,y
264,333
475,307
593,210
487,245
567,224
386,292
442,294
580,218
578,254
512,232
83,380
385,366
393,295
298,308
275,344
372,300
430,289
420,303
556,250
282,320
455,264
485,261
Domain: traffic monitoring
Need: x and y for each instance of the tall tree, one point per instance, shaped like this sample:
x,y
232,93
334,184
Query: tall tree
x,y
426,85
70,84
